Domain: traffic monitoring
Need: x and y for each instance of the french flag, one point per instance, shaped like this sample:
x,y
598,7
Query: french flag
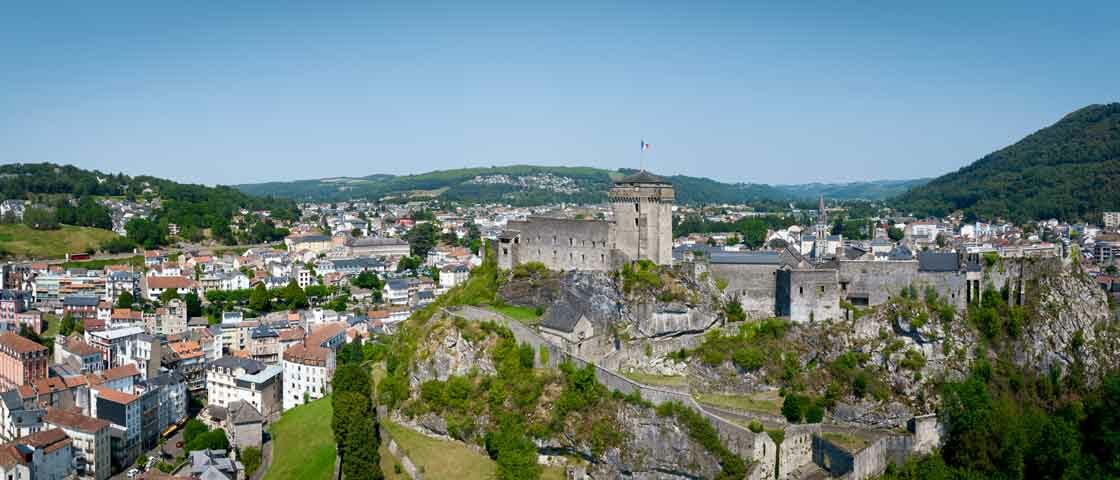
x,y
645,146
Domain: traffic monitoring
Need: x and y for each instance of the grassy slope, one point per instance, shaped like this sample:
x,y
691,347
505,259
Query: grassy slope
x,y
765,402
303,443
525,315
445,459
135,261
23,241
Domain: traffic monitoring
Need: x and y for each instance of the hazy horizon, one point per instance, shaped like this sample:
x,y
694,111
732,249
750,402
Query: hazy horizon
x,y
753,93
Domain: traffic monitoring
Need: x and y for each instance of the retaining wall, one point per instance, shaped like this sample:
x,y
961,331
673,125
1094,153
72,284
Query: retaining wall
x,y
405,462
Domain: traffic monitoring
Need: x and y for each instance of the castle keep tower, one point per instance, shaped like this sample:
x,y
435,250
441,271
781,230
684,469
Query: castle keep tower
x,y
643,217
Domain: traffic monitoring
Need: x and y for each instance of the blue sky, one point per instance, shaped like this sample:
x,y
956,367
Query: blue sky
x,y
738,91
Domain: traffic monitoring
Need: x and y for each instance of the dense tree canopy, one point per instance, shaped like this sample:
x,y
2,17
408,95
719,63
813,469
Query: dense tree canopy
x,y
1069,170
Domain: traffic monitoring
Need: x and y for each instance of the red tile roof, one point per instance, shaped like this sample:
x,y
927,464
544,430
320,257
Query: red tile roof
x,y
170,282
73,420
19,344
114,395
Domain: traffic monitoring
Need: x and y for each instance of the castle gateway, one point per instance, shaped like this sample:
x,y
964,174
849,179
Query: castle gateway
x,y
642,227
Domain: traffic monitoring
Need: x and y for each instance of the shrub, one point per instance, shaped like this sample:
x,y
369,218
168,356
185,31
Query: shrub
x,y
793,408
913,360
815,413
749,358
755,426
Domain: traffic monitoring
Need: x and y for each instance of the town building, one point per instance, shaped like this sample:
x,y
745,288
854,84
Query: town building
x,y
230,379
46,455
21,361
154,286
91,444
123,411
74,350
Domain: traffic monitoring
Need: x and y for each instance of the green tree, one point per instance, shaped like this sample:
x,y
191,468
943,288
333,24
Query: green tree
x,y
259,299
251,458
361,460
367,279
168,295
895,234
194,304
67,325
294,297
193,429
349,409
793,408
40,218
422,238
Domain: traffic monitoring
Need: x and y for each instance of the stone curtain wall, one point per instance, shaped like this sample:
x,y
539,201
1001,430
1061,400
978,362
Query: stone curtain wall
x,y
814,296
560,244
407,466
797,447
869,462
754,285
741,441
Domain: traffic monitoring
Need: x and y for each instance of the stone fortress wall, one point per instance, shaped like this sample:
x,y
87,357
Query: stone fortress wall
x,y
642,228
558,243
756,286
803,445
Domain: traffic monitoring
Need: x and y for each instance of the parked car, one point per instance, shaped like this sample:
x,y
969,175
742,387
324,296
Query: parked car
x,y
133,473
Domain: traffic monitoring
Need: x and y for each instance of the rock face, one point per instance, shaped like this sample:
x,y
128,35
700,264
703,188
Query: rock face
x,y
446,352
1072,323
652,320
655,448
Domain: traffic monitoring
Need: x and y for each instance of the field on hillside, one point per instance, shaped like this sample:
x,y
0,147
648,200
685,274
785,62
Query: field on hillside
x,y
303,443
25,242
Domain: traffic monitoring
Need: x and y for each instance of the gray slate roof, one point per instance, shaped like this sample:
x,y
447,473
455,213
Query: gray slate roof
x,y
642,177
744,258
938,262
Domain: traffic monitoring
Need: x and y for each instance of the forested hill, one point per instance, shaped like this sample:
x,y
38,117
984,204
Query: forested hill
x,y
535,185
79,197
1069,170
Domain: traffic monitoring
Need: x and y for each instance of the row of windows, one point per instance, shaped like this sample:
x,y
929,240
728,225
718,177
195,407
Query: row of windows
x,y
572,256
571,241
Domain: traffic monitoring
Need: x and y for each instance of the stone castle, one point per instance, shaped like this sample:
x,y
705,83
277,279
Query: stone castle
x,y
768,283
642,228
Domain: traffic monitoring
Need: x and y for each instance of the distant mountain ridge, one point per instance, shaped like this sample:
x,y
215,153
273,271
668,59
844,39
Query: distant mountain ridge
x,y
534,185
1069,170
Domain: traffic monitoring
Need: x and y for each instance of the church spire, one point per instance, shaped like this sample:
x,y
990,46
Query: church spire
x,y
822,215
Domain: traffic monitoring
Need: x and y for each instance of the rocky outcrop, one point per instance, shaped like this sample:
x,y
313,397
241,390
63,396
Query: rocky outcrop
x,y
652,320
655,448
446,352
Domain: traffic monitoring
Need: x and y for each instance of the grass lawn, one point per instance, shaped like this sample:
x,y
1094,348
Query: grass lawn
x,y
657,380
851,442
446,459
764,402
53,323
303,445
388,461
526,315
23,241
135,261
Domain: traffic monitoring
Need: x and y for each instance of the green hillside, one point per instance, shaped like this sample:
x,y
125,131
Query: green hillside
x,y
64,194
590,184
21,241
870,190
1069,170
